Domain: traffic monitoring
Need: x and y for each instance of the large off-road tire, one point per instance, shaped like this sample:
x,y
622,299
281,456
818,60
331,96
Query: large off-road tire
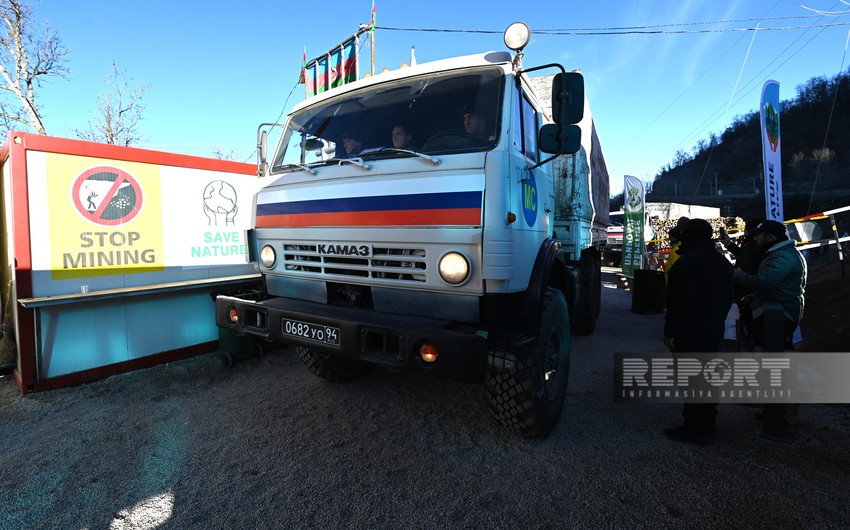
x,y
527,379
330,368
590,293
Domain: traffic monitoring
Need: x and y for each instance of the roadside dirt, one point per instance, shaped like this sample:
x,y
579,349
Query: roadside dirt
x,y
826,317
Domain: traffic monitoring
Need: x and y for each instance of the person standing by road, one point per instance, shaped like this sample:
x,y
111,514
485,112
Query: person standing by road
x,y
699,296
780,278
748,256
675,237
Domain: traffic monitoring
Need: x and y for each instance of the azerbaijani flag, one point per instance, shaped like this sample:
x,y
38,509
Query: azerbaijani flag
x,y
349,61
311,79
336,68
322,83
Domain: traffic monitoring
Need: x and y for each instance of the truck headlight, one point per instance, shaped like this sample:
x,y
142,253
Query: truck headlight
x,y
268,257
454,268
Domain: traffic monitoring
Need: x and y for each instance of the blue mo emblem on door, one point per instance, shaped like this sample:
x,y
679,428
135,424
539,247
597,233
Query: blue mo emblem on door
x,y
529,199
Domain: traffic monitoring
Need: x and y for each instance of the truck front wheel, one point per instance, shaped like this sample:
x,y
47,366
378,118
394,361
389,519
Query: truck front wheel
x,y
330,368
527,379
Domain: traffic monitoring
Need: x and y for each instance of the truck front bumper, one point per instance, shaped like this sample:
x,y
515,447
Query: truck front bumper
x,y
354,333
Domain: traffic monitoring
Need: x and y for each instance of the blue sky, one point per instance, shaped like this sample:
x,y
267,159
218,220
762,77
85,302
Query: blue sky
x,y
215,70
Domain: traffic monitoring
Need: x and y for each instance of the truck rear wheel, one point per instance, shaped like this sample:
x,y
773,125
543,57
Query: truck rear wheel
x,y
526,380
613,258
330,368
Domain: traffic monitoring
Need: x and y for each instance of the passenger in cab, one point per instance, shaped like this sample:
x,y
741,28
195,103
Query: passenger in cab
x,y
352,143
402,137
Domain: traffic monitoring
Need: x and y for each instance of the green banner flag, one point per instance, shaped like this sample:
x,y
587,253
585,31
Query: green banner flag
x,y
633,243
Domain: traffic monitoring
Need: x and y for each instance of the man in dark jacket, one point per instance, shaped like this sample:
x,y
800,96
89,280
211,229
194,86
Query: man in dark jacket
x,y
699,296
748,256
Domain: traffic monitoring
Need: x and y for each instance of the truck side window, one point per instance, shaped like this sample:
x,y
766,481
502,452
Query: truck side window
x,y
525,128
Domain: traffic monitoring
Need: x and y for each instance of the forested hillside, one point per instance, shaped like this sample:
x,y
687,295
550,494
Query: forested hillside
x,y
727,171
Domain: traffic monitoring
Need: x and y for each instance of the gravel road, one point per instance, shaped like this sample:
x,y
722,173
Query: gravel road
x,y
264,444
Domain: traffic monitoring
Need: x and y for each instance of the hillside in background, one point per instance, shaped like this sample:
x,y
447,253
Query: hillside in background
x,y
726,171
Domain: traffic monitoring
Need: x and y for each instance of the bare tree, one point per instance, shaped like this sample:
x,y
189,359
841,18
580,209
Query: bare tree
x,y
119,111
26,58
823,157
219,153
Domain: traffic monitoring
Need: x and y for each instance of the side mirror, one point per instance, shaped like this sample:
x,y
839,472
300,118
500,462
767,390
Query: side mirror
x,y
559,139
262,149
568,97
312,144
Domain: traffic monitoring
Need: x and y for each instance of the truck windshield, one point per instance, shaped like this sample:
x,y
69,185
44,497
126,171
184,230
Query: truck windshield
x,y
436,113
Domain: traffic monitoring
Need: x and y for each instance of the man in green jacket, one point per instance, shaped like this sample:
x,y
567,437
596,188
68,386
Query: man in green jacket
x,y
781,278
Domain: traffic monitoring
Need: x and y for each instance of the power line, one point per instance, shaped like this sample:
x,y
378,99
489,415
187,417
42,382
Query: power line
x,y
754,79
699,129
634,30
693,84
731,96
685,24
828,123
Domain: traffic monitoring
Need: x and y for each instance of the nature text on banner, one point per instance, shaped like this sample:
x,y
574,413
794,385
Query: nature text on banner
x,y
771,151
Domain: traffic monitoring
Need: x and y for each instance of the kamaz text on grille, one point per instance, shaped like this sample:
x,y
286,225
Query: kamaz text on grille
x,y
356,250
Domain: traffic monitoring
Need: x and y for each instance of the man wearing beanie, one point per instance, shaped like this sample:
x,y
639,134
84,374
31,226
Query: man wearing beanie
x,y
699,295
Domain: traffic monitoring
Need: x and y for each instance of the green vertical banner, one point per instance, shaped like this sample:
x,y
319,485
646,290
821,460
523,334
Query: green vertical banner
x,y
633,206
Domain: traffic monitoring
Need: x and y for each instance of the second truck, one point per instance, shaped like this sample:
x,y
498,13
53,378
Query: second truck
x,y
471,253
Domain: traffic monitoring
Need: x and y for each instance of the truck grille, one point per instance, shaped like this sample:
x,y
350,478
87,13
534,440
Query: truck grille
x,y
406,264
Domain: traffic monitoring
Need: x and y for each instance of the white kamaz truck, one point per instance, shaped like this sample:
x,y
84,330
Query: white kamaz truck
x,y
466,251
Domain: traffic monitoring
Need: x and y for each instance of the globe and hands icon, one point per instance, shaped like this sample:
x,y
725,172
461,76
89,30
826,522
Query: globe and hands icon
x,y
220,203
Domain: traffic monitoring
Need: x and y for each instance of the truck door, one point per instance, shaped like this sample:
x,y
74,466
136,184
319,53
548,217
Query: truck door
x,y
533,185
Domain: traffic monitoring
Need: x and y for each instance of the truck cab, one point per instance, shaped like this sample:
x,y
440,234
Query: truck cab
x,y
438,255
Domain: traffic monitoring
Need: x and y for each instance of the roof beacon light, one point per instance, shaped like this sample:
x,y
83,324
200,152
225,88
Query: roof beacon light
x,y
517,36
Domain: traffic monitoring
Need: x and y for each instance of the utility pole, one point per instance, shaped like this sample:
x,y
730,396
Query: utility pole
x,y
372,48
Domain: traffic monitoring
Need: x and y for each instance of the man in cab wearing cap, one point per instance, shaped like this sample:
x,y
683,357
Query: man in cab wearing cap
x,y
475,125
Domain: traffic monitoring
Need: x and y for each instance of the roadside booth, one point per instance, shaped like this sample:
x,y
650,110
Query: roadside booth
x,y
110,256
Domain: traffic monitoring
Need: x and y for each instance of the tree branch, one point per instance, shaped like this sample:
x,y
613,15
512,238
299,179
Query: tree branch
x,y
24,60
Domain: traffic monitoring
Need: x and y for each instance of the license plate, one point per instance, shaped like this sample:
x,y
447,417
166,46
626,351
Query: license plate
x,y
313,332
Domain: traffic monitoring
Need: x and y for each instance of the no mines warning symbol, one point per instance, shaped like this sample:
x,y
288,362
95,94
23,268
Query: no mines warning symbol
x,y
107,195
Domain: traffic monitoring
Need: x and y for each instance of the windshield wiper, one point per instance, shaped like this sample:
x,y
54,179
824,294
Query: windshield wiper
x,y
429,158
294,165
356,161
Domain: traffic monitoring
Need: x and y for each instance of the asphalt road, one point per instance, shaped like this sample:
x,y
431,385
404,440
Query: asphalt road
x,y
264,444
